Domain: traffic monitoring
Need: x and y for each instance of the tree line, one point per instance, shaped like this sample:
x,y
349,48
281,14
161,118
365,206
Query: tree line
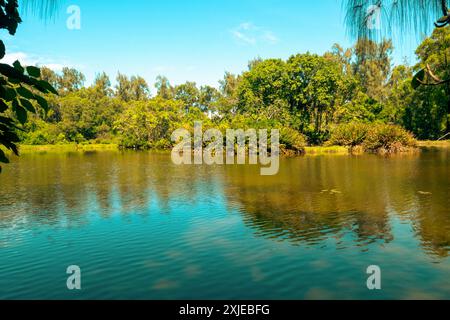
x,y
311,98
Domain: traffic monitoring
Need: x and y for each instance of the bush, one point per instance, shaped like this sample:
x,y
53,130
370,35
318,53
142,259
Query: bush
x,y
381,138
292,139
162,144
385,138
349,135
40,133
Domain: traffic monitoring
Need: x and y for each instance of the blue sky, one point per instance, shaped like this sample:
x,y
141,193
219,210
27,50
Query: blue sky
x,y
195,40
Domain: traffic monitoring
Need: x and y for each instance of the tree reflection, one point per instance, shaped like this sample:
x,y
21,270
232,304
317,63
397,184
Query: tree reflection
x,y
338,200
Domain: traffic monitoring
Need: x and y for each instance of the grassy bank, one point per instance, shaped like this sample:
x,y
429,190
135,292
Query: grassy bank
x,y
317,150
68,148
434,144
332,150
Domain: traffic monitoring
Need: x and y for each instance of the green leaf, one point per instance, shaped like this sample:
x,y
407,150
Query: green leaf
x,y
10,94
418,79
18,66
47,86
2,50
13,73
3,106
27,105
34,71
21,113
42,102
3,157
14,80
24,92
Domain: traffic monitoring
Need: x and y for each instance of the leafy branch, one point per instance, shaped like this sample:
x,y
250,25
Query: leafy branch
x,y
21,88
419,78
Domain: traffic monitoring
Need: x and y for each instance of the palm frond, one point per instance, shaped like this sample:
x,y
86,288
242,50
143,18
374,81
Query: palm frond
x,y
397,17
44,9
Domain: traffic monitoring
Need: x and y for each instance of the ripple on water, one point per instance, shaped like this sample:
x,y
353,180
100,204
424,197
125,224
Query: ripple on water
x,y
142,228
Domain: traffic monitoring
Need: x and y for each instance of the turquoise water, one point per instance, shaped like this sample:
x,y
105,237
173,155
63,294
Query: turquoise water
x,y
142,228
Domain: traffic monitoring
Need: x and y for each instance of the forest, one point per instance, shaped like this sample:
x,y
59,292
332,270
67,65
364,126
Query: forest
x,y
347,96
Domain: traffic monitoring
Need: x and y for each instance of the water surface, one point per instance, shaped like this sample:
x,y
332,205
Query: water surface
x,y
142,228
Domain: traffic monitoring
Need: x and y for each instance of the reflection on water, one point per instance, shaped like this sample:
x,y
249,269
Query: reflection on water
x,y
140,227
315,198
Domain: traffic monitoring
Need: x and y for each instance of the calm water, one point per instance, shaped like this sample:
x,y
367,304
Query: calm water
x,y
142,228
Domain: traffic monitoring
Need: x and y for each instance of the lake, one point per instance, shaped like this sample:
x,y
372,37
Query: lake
x,y
140,227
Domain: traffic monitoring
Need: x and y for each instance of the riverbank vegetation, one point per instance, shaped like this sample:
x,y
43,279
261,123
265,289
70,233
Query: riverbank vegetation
x,y
351,97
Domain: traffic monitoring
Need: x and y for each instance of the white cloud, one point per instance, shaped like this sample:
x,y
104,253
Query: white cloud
x,y
270,37
32,60
247,26
249,34
243,38
10,58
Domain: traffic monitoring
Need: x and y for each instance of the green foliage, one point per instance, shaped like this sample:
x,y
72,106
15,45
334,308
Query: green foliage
x,y
21,88
20,93
418,79
149,124
349,135
346,97
9,19
132,89
372,67
387,138
292,139
384,138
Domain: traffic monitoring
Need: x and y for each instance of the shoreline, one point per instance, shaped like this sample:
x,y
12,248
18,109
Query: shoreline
x,y
312,150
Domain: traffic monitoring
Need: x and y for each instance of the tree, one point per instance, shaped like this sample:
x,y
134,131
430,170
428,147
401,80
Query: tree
x,y
262,86
188,93
165,90
341,56
71,80
434,55
372,67
394,17
146,124
228,94
398,17
134,88
21,88
313,89
208,99
102,85
50,76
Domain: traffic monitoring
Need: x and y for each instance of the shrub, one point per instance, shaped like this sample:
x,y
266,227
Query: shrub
x,y
292,139
386,138
349,135
162,144
382,138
